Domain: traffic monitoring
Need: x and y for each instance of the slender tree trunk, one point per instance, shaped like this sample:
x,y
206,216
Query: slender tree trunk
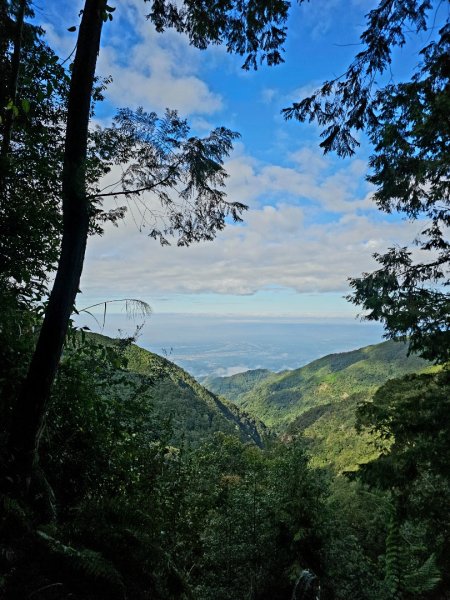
x,y
30,409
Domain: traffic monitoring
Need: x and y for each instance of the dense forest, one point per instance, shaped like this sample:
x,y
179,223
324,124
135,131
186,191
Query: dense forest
x,y
123,477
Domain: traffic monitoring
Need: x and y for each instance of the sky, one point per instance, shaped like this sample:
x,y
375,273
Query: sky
x,y
311,222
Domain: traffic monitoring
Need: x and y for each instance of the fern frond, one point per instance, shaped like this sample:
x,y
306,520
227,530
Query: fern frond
x,y
12,508
116,511
424,579
89,563
393,568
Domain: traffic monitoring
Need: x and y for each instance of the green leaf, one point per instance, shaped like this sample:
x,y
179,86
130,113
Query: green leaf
x,y
424,579
25,105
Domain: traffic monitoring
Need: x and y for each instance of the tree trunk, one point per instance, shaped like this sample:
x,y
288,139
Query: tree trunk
x,y
29,412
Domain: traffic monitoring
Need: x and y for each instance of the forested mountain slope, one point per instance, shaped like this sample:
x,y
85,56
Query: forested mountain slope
x,y
280,398
331,437
189,411
235,386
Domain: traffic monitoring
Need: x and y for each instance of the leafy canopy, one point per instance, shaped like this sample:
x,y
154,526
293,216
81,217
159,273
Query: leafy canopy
x,y
253,28
409,128
173,179
30,223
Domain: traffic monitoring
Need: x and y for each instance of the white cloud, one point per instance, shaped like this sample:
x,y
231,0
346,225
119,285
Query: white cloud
x,y
268,95
276,246
321,17
301,92
311,224
148,69
153,84
312,179
308,159
153,70
229,371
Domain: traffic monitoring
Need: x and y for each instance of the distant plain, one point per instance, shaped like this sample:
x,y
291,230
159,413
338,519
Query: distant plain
x,y
224,345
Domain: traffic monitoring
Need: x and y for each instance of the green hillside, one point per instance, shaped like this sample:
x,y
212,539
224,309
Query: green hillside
x,y
330,434
318,401
186,408
280,398
235,386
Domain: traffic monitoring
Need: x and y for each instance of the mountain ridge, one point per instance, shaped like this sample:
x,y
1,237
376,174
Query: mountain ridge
x,y
193,411
318,401
279,398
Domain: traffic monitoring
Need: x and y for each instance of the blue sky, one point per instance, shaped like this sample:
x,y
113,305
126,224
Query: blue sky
x,y
311,221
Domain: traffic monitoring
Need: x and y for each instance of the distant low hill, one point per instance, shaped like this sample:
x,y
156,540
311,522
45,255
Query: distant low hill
x,y
330,434
190,411
278,398
319,400
235,386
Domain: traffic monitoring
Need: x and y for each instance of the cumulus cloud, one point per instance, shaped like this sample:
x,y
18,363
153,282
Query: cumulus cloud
x,y
152,70
153,84
273,248
312,178
276,246
311,224
148,69
229,371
